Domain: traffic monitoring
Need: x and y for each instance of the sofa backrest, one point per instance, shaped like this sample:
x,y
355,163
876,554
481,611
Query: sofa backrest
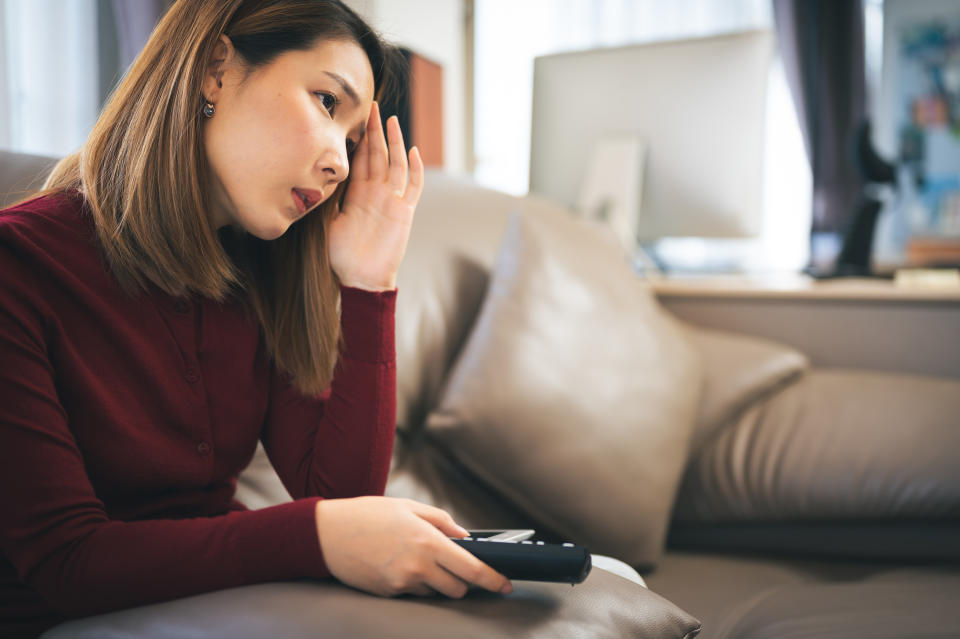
x,y
456,235
21,174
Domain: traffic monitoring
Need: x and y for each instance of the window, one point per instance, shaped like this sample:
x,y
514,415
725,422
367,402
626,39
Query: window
x,y
48,74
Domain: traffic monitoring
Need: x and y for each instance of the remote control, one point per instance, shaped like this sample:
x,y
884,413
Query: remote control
x,y
531,560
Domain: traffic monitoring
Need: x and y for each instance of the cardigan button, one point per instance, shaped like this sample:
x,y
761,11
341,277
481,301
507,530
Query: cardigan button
x,y
192,375
203,448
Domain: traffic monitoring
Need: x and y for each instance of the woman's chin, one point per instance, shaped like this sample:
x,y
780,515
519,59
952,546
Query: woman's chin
x,y
260,223
271,231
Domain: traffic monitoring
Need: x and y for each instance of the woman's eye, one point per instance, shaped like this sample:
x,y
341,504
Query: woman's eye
x,y
328,100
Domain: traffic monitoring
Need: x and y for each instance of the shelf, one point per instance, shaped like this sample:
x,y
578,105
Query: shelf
x,y
799,286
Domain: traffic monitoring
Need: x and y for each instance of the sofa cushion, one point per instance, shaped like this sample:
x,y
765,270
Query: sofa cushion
x,y
774,597
880,450
921,604
712,586
575,394
604,605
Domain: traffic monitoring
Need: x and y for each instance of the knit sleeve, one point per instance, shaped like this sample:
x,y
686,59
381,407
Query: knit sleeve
x,y
57,533
339,444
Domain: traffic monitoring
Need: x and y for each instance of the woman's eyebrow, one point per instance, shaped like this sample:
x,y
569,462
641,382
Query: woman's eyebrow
x,y
349,90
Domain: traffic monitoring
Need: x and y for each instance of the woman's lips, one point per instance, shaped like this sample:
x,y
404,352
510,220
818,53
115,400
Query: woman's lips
x,y
298,201
306,199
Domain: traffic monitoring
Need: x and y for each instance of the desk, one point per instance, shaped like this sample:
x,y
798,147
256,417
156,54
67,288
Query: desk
x,y
844,323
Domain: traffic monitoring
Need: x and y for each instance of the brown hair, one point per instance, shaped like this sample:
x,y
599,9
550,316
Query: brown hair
x,y
142,172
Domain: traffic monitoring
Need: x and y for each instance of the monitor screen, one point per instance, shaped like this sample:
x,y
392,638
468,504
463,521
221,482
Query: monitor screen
x,y
695,109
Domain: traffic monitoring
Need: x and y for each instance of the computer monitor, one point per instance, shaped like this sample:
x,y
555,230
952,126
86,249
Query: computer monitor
x,y
696,106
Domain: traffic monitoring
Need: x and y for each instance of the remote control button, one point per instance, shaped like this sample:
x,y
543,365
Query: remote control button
x,y
539,543
526,542
568,545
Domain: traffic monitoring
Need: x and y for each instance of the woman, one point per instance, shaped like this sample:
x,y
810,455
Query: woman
x,y
201,275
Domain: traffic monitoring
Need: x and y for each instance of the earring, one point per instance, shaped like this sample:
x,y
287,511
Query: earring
x,y
208,109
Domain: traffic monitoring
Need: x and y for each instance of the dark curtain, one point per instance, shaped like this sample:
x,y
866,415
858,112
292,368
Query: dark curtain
x,y
123,28
135,21
821,42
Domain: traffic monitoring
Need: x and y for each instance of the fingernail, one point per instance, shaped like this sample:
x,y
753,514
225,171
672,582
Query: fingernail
x,y
507,588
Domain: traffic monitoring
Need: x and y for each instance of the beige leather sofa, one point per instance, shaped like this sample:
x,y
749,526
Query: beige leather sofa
x,y
815,502
808,502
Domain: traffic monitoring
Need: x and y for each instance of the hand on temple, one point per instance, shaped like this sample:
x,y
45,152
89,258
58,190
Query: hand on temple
x,y
368,237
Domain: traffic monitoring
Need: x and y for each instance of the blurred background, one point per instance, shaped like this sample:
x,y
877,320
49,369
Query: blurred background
x,y
860,127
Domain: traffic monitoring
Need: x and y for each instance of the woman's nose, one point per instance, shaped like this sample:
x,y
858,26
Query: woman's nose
x,y
334,164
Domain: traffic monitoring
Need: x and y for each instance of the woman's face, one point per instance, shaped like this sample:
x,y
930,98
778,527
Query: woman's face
x,y
280,140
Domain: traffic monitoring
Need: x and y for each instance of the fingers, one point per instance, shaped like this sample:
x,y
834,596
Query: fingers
x,y
412,553
454,559
440,519
420,590
398,155
414,188
471,570
444,583
360,164
378,159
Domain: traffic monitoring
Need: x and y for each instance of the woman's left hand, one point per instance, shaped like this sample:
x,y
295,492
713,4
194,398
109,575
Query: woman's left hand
x,y
368,237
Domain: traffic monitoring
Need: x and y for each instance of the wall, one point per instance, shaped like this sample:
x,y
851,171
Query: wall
x,y
435,30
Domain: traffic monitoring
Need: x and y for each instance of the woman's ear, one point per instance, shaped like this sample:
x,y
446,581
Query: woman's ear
x,y
222,57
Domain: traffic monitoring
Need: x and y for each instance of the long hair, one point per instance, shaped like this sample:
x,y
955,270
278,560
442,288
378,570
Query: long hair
x,y
142,173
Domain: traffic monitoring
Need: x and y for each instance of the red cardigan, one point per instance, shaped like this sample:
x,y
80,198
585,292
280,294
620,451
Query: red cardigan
x,y
125,422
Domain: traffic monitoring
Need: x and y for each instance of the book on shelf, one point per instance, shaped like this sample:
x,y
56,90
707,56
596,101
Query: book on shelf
x,y
933,251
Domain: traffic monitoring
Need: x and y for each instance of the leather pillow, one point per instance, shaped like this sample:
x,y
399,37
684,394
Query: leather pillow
x,y
575,394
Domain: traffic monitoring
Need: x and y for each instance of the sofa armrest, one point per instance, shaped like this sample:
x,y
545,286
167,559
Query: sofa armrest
x,y
604,605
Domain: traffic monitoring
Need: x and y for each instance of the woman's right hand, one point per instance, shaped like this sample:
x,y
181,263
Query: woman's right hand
x,y
390,546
